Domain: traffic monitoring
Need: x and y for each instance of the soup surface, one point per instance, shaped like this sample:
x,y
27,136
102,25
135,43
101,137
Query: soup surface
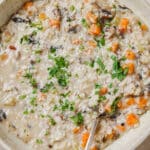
x,y
63,63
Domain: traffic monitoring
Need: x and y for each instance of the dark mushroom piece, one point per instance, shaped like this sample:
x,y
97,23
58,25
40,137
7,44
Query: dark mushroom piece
x,y
105,14
2,115
20,20
73,29
57,13
50,146
32,62
123,7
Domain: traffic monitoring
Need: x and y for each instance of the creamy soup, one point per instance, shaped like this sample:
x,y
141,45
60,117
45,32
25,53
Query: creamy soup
x,y
63,63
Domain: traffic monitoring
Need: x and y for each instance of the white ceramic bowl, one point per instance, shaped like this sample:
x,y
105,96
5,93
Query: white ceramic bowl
x,y
131,139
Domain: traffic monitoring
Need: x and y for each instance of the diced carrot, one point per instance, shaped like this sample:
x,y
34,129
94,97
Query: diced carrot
x,y
130,101
123,25
94,148
91,17
95,29
108,108
85,137
121,128
103,90
130,55
132,119
142,102
92,43
11,47
130,67
76,130
27,5
77,42
42,16
3,56
86,1
55,23
144,27
115,47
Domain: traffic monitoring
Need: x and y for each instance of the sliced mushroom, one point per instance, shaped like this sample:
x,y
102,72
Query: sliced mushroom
x,y
106,14
110,31
20,20
123,7
2,115
57,13
74,29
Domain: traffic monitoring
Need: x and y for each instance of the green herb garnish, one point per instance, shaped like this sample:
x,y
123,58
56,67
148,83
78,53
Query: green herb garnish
x,y
110,85
38,51
33,101
64,105
65,94
32,80
37,25
118,72
47,87
114,106
28,39
101,66
101,98
84,23
26,112
53,49
97,86
22,97
52,121
100,42
90,63
72,8
115,91
39,141
59,71
38,60
139,23
24,39
77,119
81,47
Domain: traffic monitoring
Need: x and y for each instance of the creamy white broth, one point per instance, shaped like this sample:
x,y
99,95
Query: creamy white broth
x,y
51,77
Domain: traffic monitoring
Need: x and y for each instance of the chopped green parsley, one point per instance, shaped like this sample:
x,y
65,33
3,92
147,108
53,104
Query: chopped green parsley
x,y
52,121
77,119
37,25
64,105
39,141
47,87
117,71
84,23
59,71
